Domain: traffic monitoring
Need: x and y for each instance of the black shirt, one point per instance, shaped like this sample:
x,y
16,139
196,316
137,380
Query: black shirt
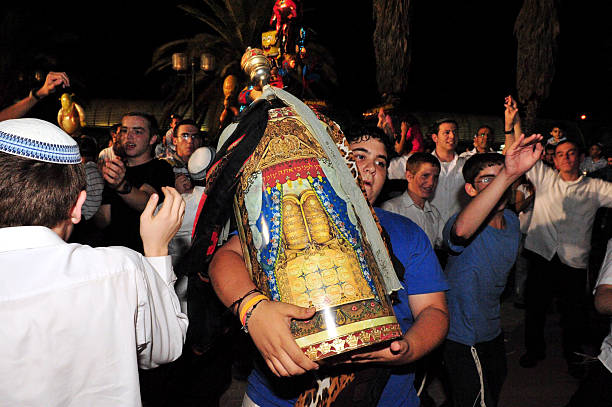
x,y
124,229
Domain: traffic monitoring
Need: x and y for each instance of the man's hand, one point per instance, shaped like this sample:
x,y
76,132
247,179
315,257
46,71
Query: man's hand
x,y
156,231
523,154
182,183
269,329
114,172
510,111
53,80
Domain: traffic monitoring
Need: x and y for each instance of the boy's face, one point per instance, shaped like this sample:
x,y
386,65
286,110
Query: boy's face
x,y
423,183
187,140
371,158
557,133
484,179
135,136
567,158
481,140
447,138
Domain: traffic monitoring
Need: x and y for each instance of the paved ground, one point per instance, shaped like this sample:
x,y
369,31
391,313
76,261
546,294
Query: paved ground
x,y
546,385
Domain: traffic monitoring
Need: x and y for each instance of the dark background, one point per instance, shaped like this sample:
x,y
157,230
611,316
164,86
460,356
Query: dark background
x,y
463,60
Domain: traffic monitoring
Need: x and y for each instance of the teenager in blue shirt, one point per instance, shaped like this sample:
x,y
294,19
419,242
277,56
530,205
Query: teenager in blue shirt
x,y
483,242
421,310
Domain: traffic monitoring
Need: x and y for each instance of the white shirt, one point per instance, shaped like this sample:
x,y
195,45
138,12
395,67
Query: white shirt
x,y
526,214
397,167
563,214
427,218
605,277
450,195
76,322
474,151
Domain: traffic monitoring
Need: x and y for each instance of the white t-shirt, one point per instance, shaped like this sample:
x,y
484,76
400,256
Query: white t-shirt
x,y
563,214
76,322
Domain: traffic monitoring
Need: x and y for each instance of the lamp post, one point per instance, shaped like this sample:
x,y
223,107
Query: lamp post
x,y
179,64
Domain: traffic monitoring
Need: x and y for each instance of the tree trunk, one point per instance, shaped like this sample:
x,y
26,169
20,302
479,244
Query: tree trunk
x,y
392,47
536,29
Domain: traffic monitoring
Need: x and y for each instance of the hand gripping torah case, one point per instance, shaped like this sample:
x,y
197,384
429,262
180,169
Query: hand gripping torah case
x,y
304,243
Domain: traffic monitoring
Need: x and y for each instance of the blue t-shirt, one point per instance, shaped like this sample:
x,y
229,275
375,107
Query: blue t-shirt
x,y
422,275
477,275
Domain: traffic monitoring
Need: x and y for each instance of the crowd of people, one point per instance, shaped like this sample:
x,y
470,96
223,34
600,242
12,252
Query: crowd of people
x,y
94,300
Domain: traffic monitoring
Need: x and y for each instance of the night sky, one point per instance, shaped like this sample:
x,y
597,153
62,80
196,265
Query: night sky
x,y
463,57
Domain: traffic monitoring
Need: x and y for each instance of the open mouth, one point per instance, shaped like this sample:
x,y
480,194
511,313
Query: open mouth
x,y
130,145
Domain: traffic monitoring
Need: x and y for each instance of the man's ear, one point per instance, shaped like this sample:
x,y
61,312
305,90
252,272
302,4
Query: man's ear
x,y
153,140
470,190
75,213
174,139
434,137
409,176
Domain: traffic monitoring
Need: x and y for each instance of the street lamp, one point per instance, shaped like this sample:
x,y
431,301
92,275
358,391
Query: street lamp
x,y
179,64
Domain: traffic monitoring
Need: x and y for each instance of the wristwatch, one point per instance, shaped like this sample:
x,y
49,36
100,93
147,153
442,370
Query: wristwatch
x,y
34,95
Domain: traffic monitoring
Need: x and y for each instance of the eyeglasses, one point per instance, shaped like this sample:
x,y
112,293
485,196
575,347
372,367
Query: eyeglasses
x,y
187,136
485,180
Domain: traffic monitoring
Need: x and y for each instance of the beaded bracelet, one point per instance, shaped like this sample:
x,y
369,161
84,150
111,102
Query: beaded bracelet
x,y
249,304
239,300
245,326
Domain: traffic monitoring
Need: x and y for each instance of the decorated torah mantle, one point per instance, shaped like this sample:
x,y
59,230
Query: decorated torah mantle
x,y
308,234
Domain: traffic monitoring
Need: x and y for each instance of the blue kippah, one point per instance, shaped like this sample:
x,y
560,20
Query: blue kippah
x,y
38,140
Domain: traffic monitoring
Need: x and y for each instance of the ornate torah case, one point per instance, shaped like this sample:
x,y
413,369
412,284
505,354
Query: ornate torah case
x,y
304,244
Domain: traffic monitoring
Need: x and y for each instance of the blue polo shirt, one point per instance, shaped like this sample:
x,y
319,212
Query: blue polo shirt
x,y
422,275
477,274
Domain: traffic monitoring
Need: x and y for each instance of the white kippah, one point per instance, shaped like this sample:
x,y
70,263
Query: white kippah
x,y
38,140
199,162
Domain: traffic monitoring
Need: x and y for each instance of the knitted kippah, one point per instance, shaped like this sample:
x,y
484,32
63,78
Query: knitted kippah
x,y
38,140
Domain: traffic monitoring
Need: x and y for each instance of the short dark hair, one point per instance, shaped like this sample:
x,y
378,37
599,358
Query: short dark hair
x,y
416,159
359,133
153,126
186,122
485,126
435,127
37,193
479,162
565,141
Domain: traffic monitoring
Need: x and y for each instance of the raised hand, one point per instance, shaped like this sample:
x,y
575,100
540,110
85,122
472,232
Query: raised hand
x,y
53,80
157,230
510,111
523,154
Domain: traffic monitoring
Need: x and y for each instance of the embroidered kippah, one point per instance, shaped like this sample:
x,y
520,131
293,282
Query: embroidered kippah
x,y
38,140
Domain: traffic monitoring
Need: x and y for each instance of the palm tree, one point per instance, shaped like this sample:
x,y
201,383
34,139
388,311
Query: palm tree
x,y
536,29
229,27
392,47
